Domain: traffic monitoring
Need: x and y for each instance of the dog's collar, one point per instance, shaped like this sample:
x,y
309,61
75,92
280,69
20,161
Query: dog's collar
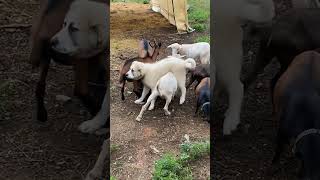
x,y
206,103
302,135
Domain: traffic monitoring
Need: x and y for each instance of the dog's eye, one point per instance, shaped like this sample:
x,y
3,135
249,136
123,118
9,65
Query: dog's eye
x,y
72,28
132,70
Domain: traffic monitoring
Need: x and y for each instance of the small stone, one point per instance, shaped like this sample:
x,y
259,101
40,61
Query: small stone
x,y
155,150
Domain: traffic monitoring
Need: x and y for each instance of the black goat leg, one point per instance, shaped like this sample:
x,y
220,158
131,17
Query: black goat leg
x,y
41,112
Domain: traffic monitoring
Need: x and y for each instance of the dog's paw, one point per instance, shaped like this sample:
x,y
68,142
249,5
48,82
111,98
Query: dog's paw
x,y
93,175
89,126
167,113
138,118
182,100
151,107
230,124
138,101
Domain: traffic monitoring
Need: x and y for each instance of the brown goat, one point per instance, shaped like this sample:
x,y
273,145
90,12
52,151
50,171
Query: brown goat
x,y
292,33
88,70
203,96
147,58
296,102
200,72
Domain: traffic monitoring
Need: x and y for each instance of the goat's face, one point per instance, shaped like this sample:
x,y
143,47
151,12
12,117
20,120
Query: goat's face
x,y
83,33
135,72
175,48
308,152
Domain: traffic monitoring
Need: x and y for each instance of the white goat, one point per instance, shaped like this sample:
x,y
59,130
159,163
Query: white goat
x,y
199,51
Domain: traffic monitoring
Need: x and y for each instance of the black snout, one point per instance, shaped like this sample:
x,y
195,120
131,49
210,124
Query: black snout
x,y
54,42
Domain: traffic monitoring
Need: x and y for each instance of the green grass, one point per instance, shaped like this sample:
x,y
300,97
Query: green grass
x,y
199,14
136,1
170,167
112,178
204,38
114,147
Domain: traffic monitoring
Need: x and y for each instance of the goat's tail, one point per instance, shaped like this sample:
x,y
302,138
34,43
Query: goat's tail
x,y
190,63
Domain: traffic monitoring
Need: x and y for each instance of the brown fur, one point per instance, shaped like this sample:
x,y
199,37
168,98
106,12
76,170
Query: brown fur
x,y
199,73
296,100
137,84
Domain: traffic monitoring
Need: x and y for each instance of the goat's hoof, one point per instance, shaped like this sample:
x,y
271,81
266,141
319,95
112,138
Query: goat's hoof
x,y
151,108
42,115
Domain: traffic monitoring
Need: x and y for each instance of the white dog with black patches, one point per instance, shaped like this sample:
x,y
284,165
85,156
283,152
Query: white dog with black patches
x,y
151,73
229,16
83,33
199,51
166,87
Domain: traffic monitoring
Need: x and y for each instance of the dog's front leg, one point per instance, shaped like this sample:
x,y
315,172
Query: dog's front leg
x,y
183,90
97,170
99,120
145,91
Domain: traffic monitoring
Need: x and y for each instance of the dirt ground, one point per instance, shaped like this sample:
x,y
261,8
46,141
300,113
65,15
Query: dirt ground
x,y
29,150
133,157
247,154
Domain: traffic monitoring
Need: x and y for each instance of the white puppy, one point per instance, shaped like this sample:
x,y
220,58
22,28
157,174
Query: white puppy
x,y
229,15
151,73
166,87
199,51
83,34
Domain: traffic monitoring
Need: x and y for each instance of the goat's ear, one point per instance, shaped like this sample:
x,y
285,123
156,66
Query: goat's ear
x,y
151,49
142,51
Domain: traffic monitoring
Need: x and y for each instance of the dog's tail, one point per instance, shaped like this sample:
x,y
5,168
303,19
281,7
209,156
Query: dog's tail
x,y
190,63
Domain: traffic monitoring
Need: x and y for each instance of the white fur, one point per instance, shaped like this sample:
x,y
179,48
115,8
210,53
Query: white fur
x,y
229,15
166,88
199,51
91,126
97,170
151,73
305,3
88,32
